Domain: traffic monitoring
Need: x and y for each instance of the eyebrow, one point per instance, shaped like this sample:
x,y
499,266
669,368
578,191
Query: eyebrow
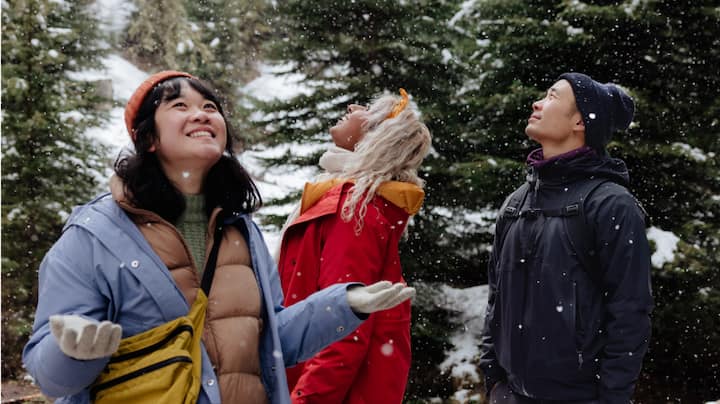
x,y
553,90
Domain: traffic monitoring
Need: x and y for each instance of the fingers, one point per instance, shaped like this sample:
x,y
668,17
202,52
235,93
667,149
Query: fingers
x,y
404,294
107,339
56,326
68,341
379,300
102,338
83,338
392,296
378,286
115,338
86,341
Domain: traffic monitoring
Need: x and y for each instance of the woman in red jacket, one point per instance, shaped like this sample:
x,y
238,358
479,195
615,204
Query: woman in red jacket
x,y
347,230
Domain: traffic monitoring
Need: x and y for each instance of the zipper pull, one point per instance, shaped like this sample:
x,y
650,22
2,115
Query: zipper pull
x,y
580,359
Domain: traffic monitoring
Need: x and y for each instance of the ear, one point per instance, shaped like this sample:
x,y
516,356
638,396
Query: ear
x,y
152,148
579,124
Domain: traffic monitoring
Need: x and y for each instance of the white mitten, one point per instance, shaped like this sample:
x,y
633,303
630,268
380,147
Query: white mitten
x,y
378,296
85,339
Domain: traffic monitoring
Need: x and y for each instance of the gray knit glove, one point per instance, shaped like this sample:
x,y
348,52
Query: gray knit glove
x,y
85,339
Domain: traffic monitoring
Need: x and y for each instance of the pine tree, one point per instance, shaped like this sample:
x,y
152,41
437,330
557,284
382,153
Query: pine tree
x,y
233,30
48,165
161,37
666,54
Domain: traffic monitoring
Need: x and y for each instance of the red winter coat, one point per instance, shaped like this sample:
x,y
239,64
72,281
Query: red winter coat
x,y
319,249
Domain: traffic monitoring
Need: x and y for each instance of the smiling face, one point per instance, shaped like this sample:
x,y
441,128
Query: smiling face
x,y
555,121
191,133
348,131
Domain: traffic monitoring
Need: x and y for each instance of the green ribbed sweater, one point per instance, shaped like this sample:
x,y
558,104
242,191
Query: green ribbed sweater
x,y
192,225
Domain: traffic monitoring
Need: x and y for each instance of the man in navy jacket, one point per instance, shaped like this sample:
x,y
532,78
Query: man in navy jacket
x,y
568,310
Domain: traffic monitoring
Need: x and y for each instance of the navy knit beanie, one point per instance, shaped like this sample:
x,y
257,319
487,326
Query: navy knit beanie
x,y
605,108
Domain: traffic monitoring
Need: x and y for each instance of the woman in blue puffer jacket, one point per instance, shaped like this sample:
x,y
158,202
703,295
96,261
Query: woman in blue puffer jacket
x,y
134,259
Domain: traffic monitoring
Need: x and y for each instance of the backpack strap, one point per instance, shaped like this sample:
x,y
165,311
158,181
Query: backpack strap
x,y
580,233
211,263
510,211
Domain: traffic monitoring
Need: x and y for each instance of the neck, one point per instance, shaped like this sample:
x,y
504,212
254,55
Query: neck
x,y
189,181
551,150
334,159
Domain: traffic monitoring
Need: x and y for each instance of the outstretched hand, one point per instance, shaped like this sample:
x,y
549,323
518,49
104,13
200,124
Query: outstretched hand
x,y
378,296
85,339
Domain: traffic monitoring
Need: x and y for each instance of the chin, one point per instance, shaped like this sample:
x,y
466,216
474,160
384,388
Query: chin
x,y
529,131
210,155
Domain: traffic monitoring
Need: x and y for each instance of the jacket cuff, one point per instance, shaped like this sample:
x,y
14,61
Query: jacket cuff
x,y
360,316
69,381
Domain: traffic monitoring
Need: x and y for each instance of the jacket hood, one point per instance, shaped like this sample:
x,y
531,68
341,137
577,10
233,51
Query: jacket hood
x,y
117,189
406,196
577,164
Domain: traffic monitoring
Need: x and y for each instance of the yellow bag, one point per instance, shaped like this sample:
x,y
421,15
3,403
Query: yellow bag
x,y
160,365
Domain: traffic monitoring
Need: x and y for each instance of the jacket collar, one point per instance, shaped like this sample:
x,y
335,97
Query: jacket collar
x,y
141,216
323,198
404,195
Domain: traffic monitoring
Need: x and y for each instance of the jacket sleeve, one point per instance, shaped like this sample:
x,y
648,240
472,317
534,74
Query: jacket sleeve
x,y
345,257
624,254
488,359
67,285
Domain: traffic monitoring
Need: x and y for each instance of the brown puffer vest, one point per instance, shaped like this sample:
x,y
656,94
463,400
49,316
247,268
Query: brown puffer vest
x,y
233,323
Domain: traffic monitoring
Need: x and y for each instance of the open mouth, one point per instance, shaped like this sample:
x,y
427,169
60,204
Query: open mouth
x,y
201,133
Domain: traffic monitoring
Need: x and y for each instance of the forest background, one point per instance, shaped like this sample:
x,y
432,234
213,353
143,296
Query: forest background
x,y
473,69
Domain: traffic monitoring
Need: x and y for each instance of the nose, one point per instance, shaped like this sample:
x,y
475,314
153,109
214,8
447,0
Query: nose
x,y
200,115
537,105
352,108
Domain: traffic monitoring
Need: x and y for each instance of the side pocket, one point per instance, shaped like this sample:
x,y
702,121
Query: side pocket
x,y
176,364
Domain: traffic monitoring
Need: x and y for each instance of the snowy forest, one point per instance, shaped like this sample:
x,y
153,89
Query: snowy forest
x,y
288,68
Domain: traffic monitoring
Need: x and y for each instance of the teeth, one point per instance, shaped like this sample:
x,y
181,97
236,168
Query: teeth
x,y
200,134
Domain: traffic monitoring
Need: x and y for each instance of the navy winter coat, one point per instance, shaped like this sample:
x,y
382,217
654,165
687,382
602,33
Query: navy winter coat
x,y
554,329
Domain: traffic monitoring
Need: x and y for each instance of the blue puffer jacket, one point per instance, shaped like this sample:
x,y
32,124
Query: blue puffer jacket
x,y
103,268
554,329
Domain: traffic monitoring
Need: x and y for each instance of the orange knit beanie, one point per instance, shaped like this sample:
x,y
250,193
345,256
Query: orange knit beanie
x,y
142,91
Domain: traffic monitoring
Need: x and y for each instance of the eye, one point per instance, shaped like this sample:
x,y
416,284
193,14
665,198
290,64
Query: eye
x,y
179,104
210,106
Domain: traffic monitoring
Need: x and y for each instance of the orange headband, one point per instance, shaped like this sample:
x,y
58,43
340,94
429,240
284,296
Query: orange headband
x,y
400,105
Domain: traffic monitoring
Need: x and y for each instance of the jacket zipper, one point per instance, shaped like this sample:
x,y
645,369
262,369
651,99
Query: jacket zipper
x,y
153,347
147,369
534,183
576,315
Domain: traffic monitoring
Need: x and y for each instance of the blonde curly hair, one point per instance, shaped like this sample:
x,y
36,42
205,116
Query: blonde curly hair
x,y
391,150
